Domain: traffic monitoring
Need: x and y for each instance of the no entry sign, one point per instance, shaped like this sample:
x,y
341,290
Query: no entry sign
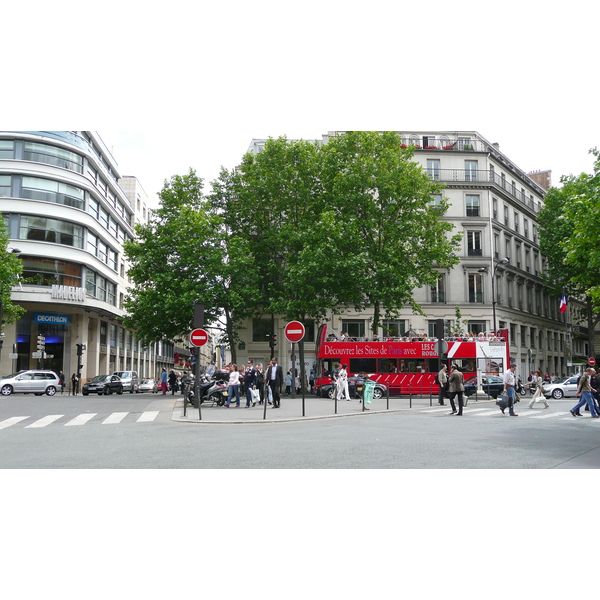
x,y
294,331
592,361
198,337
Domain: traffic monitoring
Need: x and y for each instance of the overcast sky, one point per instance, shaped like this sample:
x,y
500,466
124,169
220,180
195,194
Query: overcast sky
x,y
180,87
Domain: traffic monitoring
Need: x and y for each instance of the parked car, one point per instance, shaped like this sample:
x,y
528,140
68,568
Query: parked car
x,y
355,387
566,386
33,381
129,379
492,385
148,385
103,384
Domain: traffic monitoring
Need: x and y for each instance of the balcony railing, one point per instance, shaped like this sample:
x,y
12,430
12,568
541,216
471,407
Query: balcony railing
x,y
483,176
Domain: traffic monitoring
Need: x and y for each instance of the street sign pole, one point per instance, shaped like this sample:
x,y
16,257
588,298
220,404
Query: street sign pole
x,y
301,344
293,358
294,332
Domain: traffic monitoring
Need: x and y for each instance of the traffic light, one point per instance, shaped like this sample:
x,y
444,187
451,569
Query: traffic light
x,y
80,349
440,328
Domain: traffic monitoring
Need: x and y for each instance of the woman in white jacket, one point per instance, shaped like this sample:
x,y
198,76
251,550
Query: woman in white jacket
x,y
539,392
342,383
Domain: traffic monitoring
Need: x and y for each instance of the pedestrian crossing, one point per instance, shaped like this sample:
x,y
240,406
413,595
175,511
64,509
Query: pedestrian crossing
x,y
114,418
534,415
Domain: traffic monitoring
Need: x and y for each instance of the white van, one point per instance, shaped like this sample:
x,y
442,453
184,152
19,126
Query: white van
x,y
130,380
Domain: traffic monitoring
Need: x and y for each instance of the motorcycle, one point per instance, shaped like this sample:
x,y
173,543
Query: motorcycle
x,y
212,389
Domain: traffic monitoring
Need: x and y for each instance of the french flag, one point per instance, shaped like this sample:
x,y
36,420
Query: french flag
x,y
563,304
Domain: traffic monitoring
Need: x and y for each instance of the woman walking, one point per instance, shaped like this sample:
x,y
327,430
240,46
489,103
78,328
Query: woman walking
x,y
343,383
538,382
233,387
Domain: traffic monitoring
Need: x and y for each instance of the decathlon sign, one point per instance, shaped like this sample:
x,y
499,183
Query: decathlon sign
x,y
68,292
51,319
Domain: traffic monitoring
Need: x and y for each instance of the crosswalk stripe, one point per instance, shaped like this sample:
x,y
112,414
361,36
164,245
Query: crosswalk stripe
x,y
148,416
12,421
436,410
43,422
471,411
550,415
116,417
81,419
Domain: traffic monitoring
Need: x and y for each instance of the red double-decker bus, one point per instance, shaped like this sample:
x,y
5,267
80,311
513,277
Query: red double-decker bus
x,y
409,364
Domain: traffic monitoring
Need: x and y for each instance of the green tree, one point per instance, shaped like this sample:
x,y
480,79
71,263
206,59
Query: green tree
x,y
569,231
180,257
10,270
391,239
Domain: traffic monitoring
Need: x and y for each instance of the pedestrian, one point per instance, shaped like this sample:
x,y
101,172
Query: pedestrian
x,y
250,383
442,381
61,378
173,382
74,384
233,387
342,388
274,378
163,382
538,396
585,390
509,388
311,381
297,384
288,382
184,382
260,382
456,388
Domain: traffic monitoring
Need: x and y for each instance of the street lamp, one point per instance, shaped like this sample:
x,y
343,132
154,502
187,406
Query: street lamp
x,y
504,261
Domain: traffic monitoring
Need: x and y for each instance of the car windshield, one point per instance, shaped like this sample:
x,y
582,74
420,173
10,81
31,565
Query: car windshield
x,y
561,380
98,378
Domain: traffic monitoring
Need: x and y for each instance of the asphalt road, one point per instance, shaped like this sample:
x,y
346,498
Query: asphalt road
x,y
84,433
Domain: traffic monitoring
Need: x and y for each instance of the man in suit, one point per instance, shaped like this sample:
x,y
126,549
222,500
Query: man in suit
x,y
274,379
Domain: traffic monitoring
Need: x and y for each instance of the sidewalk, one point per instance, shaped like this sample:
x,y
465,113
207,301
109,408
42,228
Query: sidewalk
x,y
292,410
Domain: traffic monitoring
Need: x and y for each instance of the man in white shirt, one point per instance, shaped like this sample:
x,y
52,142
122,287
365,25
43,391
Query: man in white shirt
x,y
509,388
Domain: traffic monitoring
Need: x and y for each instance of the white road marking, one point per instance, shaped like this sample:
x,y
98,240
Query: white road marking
x,y
81,419
147,416
116,417
12,421
45,421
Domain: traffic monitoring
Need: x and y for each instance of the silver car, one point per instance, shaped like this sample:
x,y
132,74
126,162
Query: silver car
x,y
561,387
34,381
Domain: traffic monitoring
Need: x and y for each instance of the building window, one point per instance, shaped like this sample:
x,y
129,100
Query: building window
x,y
433,168
394,328
470,170
7,149
47,190
52,155
475,288
474,243
438,291
5,186
472,205
495,208
261,330
436,200
354,329
517,222
50,230
46,272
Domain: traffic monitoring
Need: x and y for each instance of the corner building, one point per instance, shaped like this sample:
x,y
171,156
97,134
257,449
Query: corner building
x,y
68,211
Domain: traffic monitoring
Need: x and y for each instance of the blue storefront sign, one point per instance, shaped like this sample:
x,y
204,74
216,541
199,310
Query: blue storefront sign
x,y
51,319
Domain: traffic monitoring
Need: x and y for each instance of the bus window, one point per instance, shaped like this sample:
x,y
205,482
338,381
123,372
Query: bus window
x,y
363,365
387,365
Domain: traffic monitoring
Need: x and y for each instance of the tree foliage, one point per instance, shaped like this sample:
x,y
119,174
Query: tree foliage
x,y
569,231
298,229
10,270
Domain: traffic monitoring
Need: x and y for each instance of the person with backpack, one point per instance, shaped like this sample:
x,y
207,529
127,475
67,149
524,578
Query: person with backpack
x,y
441,379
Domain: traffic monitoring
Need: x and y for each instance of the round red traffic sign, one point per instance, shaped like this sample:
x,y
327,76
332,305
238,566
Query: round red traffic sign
x,y
294,331
198,337
592,361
